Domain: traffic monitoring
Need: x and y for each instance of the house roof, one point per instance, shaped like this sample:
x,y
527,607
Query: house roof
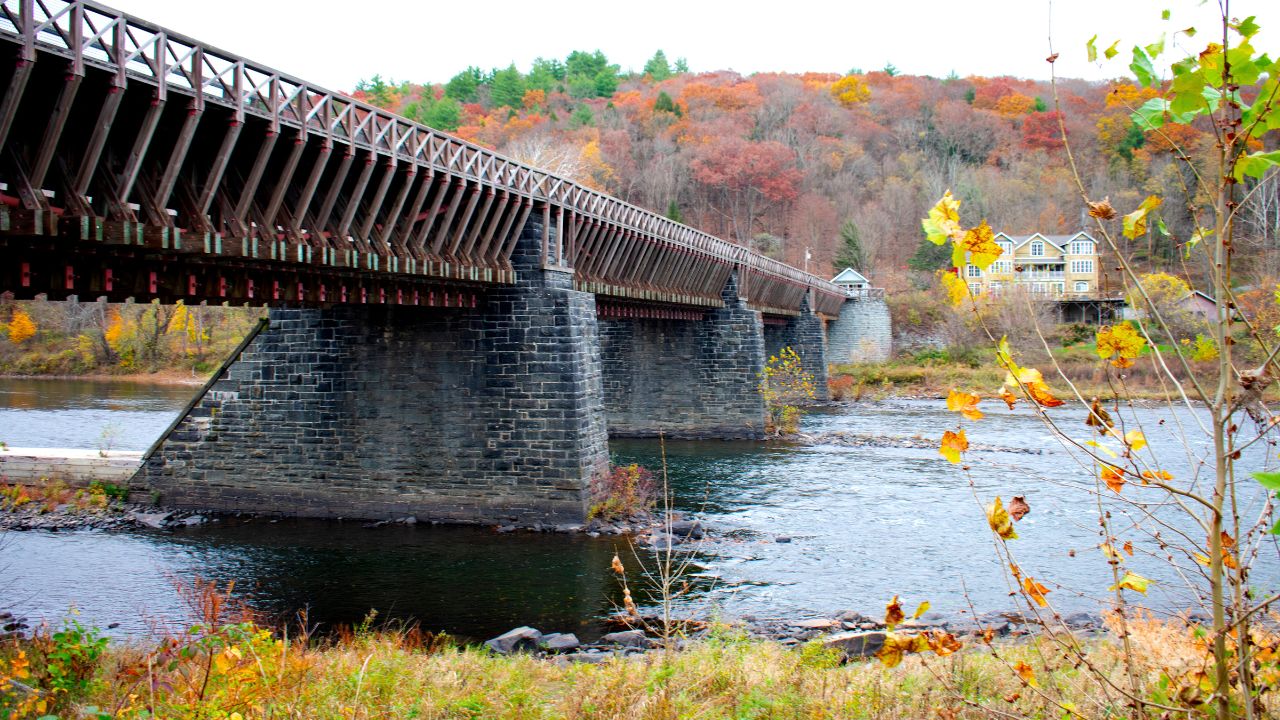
x,y
1058,241
849,275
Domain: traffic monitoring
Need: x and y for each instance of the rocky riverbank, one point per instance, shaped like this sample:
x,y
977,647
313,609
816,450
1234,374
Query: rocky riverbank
x,y
849,633
114,515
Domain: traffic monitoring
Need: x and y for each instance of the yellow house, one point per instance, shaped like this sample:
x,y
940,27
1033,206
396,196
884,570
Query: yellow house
x,y
1059,266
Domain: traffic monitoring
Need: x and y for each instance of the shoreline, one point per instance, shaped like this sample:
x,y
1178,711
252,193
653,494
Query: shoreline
x,y
168,377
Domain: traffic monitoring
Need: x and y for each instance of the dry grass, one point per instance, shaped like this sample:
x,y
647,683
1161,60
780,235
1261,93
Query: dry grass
x,y
397,675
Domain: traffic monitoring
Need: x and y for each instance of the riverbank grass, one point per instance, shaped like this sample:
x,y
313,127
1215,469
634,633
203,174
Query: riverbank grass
x,y
239,671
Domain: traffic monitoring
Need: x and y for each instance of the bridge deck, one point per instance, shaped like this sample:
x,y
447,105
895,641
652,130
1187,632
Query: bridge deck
x,y
138,161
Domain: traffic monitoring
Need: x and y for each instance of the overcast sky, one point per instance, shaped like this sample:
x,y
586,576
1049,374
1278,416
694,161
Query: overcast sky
x,y
334,44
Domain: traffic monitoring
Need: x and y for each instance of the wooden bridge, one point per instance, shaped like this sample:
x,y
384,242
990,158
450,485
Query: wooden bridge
x,y
139,162
453,334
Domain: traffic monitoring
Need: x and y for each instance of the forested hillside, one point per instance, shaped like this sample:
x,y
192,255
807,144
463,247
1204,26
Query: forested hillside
x,y
843,165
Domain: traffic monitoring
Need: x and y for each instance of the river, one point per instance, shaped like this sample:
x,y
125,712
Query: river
x,y
857,525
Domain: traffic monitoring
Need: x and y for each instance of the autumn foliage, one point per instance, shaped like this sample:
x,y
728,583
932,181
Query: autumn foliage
x,y
782,162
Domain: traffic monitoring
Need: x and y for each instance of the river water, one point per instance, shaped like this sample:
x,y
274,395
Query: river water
x,y
863,523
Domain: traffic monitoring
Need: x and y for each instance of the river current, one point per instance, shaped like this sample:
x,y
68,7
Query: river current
x,y
797,530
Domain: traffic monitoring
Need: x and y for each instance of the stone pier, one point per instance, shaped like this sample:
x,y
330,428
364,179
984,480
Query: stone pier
x,y
686,378
806,335
861,333
489,414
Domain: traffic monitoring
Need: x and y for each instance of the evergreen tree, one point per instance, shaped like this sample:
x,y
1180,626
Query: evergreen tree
x,y
443,114
582,116
930,257
664,103
606,82
850,252
463,86
507,88
658,68
545,75
682,66
673,212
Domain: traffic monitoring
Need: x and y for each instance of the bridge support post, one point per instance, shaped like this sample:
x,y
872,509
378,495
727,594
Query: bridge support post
x,y
490,413
686,378
807,336
862,332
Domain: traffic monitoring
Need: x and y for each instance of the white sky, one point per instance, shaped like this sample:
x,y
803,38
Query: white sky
x,y
334,44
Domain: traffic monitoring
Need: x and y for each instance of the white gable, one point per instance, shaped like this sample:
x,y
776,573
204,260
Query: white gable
x,y
849,276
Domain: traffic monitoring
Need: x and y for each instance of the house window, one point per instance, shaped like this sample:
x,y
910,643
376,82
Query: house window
x,y
974,271
1083,267
1082,286
1001,267
1058,288
975,289
1037,249
1081,247
994,287
1005,248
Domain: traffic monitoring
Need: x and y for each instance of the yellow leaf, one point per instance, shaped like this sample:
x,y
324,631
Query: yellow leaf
x,y
953,443
1103,448
1135,223
1110,552
1135,439
1026,673
1000,521
1033,382
924,608
1113,477
1121,341
964,403
957,289
943,221
1202,559
1132,581
1004,356
893,613
980,245
896,645
1035,591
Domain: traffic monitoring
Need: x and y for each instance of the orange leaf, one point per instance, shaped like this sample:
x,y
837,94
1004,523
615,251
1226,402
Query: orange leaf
x,y
943,643
1102,209
893,613
964,403
1113,477
1026,673
1158,474
1098,417
953,443
1008,397
1128,547
1035,591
